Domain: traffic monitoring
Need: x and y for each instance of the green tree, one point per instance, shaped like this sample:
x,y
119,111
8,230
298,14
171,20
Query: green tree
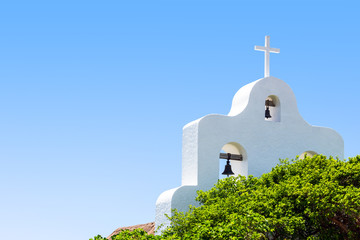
x,y
313,198
137,234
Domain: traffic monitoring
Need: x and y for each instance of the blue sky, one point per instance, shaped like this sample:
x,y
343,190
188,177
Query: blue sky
x,y
94,95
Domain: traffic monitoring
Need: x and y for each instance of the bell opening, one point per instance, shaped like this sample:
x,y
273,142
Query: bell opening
x,y
234,167
309,154
272,109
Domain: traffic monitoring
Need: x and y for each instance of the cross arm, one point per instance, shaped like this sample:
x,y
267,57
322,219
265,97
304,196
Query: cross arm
x,y
273,50
260,48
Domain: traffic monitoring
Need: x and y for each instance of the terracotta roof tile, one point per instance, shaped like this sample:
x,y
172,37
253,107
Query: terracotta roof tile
x,y
148,227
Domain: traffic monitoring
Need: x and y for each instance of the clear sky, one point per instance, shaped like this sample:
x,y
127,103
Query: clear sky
x,y
94,95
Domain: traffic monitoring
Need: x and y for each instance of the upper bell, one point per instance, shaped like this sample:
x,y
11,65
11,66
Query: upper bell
x,y
267,113
228,170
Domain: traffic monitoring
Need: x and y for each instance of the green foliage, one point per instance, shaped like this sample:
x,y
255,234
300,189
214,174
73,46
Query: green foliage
x,y
314,198
98,237
137,234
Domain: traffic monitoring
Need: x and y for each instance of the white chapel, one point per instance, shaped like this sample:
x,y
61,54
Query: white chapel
x,y
263,126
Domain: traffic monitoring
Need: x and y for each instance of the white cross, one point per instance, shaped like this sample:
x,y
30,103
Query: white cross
x,y
267,49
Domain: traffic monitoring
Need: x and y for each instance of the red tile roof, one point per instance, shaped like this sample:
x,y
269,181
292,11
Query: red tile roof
x,y
148,227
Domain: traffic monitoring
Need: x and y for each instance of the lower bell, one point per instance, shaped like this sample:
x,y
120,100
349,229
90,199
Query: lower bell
x,y
228,170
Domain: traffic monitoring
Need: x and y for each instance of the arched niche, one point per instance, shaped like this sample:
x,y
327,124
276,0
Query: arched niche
x,y
272,103
238,167
308,153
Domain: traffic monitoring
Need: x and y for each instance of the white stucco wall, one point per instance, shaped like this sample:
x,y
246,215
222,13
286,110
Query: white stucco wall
x,y
261,142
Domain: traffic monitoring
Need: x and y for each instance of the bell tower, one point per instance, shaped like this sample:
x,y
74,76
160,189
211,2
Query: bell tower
x,y
262,126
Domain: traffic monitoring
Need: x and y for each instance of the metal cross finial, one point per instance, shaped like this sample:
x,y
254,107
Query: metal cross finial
x,y
267,49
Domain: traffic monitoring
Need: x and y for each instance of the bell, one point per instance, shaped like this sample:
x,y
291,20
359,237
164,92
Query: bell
x,y
228,170
267,113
